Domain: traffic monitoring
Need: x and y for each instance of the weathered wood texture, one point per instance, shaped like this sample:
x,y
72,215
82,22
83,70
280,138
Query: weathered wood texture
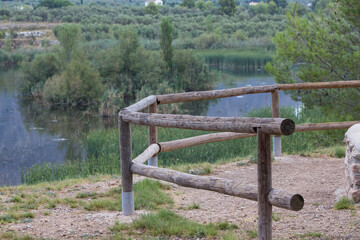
x,y
153,137
233,188
275,107
320,85
264,186
149,152
153,129
324,126
125,155
285,200
277,126
142,104
204,95
202,139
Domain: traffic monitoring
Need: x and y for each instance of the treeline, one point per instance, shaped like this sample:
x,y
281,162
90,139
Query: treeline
x,y
115,75
194,28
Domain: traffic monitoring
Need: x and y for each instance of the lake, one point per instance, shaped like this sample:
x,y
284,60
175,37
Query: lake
x,y
32,132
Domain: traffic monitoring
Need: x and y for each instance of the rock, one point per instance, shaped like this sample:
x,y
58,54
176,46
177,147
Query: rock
x,y
339,193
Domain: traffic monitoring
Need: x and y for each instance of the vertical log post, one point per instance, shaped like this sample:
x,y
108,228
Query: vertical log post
x,y
264,185
275,104
126,161
153,136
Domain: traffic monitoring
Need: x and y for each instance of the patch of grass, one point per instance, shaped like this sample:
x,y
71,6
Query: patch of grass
x,y
148,194
13,236
167,223
344,203
14,217
225,226
229,236
339,151
252,233
46,213
92,195
194,205
310,235
103,204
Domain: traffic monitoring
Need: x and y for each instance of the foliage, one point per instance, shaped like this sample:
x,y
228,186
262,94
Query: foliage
x,y
151,9
227,6
78,84
38,71
188,3
54,3
324,48
166,38
344,203
68,35
167,223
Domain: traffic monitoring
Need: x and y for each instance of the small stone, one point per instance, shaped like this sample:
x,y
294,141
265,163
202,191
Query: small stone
x,y
355,195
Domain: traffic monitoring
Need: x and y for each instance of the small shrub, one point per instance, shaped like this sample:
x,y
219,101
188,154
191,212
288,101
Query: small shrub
x,y
339,151
344,203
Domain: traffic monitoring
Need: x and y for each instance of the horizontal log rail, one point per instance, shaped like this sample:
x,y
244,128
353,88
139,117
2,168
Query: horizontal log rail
x,y
206,95
142,104
149,152
324,126
276,197
202,139
276,126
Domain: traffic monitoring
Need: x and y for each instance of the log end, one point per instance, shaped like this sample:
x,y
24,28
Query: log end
x,y
287,126
297,202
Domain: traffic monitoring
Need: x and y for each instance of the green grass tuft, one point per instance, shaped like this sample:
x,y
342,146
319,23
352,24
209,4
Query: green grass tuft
x,y
252,233
344,203
167,223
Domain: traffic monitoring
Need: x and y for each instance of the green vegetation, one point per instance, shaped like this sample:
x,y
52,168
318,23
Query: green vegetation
x,y
322,47
54,3
167,223
344,203
252,233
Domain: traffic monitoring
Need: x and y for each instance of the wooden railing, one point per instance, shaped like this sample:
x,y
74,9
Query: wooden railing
x,y
229,128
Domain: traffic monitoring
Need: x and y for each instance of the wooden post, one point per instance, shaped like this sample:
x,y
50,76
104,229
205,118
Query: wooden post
x,y
153,136
264,185
275,104
126,161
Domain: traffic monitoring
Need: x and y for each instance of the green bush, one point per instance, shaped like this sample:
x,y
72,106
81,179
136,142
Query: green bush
x,y
78,84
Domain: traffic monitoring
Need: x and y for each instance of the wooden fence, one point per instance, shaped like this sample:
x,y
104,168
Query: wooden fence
x,y
229,128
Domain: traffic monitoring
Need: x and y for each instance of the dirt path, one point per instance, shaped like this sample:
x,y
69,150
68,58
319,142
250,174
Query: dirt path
x,y
314,178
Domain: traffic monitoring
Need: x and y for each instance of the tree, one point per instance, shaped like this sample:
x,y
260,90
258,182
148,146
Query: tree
x,y
54,3
188,3
272,8
166,38
200,4
322,48
68,35
228,6
151,9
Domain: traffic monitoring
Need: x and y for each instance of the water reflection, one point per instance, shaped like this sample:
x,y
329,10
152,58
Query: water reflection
x,y
242,105
31,132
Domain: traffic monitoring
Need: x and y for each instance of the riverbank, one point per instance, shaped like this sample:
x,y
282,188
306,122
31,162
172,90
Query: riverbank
x,y
83,206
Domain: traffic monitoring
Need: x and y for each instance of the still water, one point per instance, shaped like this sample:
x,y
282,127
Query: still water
x,y
33,133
